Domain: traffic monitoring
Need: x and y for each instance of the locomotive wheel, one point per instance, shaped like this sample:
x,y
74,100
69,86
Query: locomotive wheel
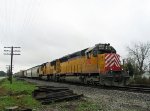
x,y
40,77
102,81
92,82
121,83
88,82
57,79
85,81
48,77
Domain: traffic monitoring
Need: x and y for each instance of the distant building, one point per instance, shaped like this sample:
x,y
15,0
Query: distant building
x,y
146,75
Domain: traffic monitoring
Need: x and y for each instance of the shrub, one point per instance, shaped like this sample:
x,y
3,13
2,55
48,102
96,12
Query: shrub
x,y
140,80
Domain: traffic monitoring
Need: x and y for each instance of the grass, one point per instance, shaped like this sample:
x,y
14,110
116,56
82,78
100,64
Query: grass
x,y
18,86
17,94
20,94
22,101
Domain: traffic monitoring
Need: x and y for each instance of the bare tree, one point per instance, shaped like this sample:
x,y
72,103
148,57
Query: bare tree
x,y
140,52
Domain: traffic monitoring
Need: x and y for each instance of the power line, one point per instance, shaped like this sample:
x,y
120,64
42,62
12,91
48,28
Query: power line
x,y
11,52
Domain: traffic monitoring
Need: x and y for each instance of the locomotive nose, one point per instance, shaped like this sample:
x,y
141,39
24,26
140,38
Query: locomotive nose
x,y
112,62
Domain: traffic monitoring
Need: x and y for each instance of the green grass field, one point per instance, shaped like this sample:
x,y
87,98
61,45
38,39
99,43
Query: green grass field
x,y
20,94
17,94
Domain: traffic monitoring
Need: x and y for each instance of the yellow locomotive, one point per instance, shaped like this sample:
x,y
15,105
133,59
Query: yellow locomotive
x,y
95,65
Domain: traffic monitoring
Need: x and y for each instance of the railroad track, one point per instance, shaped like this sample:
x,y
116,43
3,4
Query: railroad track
x,y
129,88
137,89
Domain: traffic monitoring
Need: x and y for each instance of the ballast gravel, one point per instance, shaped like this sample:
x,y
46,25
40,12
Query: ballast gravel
x,y
110,100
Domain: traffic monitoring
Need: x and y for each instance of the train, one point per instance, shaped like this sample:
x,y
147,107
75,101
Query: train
x,y
99,65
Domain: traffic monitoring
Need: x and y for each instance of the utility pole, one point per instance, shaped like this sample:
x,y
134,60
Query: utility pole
x,y
149,66
123,60
8,71
11,52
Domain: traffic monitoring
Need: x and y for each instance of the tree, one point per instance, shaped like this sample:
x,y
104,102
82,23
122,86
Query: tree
x,y
131,66
2,73
140,53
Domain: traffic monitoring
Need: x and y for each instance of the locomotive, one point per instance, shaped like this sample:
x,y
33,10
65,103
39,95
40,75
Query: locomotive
x,y
99,64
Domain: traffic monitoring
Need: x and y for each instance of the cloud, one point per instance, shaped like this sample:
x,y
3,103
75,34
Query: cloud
x,y
46,30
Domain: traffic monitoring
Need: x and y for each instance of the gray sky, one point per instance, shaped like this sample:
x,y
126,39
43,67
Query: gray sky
x,y
49,29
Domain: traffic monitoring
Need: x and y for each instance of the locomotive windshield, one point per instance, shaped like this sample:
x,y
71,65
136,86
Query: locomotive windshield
x,y
104,48
100,49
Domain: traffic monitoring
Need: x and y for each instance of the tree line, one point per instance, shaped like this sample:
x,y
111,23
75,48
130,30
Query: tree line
x,y
2,73
138,61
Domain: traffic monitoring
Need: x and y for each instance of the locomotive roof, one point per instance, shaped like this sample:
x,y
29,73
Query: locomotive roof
x,y
105,48
90,49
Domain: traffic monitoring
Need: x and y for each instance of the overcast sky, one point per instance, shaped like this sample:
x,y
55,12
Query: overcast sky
x,y
48,29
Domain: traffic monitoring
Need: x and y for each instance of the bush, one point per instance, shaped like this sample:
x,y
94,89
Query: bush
x,y
140,80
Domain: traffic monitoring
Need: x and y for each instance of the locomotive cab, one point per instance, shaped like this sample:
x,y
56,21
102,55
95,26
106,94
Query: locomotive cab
x,y
108,65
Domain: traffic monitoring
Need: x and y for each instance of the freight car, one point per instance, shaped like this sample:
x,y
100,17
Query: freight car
x,y
99,64
32,72
21,73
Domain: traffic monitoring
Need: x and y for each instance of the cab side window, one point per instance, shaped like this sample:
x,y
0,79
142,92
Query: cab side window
x,y
94,53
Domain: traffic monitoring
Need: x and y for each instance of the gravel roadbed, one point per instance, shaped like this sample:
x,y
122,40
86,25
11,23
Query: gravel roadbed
x,y
111,100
